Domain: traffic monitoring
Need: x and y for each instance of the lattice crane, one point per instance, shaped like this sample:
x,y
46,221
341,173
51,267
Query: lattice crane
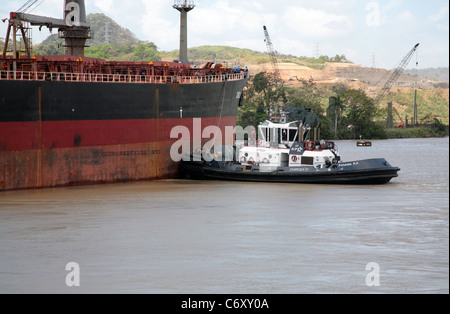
x,y
394,77
274,62
273,56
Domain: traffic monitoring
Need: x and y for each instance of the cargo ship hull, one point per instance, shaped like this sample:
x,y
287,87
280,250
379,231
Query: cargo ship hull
x,y
56,133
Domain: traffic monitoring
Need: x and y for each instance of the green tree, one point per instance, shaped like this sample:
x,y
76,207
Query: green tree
x,y
361,113
307,96
52,46
335,112
100,52
261,95
257,99
264,84
439,128
252,113
146,51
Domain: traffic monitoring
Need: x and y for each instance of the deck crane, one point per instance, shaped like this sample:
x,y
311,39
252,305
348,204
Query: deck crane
x,y
394,77
73,27
274,62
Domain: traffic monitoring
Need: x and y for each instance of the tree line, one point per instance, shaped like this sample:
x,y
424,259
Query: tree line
x,y
344,113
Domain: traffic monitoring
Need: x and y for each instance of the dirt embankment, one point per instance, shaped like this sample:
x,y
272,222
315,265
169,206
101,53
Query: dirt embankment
x,y
352,75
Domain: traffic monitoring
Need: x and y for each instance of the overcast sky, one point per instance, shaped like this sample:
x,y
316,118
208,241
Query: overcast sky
x,y
371,33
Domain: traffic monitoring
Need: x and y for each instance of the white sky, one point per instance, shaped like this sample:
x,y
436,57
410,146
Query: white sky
x,y
367,32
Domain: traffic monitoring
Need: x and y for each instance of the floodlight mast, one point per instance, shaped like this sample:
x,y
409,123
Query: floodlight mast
x,y
184,7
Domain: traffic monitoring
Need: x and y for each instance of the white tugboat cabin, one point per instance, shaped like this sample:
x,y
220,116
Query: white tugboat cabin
x,y
282,144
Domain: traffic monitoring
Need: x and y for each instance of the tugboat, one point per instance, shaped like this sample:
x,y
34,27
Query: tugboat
x,y
363,143
283,154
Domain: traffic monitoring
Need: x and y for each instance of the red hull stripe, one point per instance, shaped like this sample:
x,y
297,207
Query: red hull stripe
x,y
20,136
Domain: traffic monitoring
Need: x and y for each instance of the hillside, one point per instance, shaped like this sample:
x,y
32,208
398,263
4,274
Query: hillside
x,y
107,31
434,74
109,41
324,70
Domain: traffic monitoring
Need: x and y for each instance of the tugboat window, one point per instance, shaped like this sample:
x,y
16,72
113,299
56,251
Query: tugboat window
x,y
292,135
284,135
265,134
308,161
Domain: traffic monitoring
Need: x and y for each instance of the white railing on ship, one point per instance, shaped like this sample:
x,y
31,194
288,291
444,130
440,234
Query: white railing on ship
x,y
118,78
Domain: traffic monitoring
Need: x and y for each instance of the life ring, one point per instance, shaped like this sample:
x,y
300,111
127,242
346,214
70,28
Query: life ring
x,y
294,158
259,142
310,145
266,161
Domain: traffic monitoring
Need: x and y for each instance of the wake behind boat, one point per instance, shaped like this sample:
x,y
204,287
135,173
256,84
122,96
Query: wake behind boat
x,y
281,154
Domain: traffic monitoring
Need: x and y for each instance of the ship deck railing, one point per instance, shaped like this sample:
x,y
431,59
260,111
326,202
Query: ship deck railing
x,y
118,78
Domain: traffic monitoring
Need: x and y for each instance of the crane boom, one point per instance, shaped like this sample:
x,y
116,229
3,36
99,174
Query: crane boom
x,y
394,77
274,62
273,57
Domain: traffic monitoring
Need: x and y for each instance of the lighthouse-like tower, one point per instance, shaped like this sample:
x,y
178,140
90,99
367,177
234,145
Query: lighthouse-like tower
x,y
184,7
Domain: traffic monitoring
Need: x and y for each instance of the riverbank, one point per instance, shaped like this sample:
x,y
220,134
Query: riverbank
x,y
421,132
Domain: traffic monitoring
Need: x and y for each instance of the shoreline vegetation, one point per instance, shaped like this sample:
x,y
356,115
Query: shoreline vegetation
x,y
420,132
343,112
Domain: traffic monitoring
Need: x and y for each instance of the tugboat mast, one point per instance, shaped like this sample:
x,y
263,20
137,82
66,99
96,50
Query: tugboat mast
x,y
184,7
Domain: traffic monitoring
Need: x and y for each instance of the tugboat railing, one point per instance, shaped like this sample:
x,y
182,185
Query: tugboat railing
x,y
118,78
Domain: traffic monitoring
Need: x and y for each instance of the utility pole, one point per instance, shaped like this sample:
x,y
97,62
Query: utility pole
x,y
184,7
317,50
415,121
416,118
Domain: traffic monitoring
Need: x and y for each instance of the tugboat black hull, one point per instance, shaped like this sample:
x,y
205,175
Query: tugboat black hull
x,y
373,171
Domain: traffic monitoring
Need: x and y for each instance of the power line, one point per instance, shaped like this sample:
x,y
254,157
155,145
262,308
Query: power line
x,y
37,6
28,5
317,50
